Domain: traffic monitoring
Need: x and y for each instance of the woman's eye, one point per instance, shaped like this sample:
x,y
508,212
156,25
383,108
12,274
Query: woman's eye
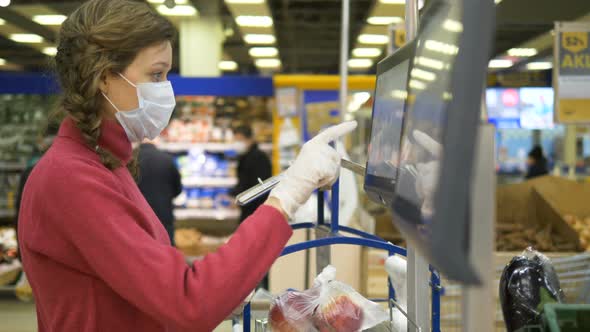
x,y
157,76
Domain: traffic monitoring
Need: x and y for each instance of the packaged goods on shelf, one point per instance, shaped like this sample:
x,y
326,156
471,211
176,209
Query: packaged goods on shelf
x,y
194,244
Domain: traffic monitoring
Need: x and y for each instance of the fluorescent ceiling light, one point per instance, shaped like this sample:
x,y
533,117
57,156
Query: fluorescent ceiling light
x,y
500,63
497,1
2,62
393,2
429,63
440,47
178,2
255,38
399,94
268,63
360,63
4,3
49,19
263,51
26,38
227,65
249,2
418,85
366,52
254,21
423,74
384,20
373,39
452,25
178,10
543,65
522,52
2,22
447,96
51,51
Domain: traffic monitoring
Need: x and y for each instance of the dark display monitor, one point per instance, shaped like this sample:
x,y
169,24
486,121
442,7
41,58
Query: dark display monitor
x,y
386,127
445,87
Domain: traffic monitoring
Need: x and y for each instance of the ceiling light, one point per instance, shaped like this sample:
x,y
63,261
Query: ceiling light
x,y
497,1
263,51
384,20
178,2
254,21
248,2
268,63
452,25
360,63
543,65
500,63
4,3
423,74
522,52
2,22
2,62
366,52
393,2
254,38
178,10
49,19
418,85
51,51
26,38
447,96
373,39
227,65
438,46
429,63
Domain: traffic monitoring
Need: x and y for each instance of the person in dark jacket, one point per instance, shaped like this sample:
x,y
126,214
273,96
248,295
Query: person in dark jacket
x,y
536,163
253,164
159,182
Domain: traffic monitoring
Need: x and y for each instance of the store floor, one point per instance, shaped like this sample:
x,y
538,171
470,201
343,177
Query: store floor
x,y
16,316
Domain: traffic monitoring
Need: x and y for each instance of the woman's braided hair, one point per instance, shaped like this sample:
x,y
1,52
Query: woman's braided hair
x,y
101,37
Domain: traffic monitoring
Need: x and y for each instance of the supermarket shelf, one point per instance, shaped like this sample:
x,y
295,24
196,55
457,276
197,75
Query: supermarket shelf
x,y
12,166
206,214
7,213
226,182
210,147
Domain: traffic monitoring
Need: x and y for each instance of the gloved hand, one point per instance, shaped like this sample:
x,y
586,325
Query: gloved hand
x,y
427,172
316,166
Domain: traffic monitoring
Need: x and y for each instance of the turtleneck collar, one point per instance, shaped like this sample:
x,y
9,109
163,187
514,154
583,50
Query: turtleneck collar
x,y
112,137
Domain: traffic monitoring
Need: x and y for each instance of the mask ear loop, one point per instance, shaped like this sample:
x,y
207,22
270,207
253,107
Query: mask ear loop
x,y
110,102
128,81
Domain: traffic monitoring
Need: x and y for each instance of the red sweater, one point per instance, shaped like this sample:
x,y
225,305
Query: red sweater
x,y
98,259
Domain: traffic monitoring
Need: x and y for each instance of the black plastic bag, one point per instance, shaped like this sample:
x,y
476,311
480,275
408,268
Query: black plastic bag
x,y
528,282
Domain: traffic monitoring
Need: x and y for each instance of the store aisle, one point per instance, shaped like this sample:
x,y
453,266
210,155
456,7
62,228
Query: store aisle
x,y
20,317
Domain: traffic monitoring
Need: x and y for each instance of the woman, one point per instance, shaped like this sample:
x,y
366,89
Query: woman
x,y
536,163
97,256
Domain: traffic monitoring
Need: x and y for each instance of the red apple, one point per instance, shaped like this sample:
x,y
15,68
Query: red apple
x,y
292,312
339,315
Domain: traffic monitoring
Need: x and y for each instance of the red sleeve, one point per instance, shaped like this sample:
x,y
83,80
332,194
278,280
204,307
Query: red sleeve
x,y
103,227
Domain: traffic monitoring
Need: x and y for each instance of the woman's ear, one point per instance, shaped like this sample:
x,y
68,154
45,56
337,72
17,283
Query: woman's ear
x,y
105,78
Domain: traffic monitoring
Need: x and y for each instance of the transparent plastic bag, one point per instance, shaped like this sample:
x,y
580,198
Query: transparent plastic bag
x,y
328,306
527,283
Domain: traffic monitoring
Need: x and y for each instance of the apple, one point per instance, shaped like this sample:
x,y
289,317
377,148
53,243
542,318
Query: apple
x,y
341,315
292,311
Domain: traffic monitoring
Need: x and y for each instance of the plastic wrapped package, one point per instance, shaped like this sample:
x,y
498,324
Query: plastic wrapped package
x,y
527,283
329,305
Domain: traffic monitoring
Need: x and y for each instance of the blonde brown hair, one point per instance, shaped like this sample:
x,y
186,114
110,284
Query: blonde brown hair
x,y
101,37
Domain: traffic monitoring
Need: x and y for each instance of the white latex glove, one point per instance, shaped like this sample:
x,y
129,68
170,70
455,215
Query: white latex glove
x,y
427,172
396,268
316,166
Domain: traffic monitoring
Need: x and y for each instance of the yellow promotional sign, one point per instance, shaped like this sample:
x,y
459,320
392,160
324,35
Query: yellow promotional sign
x,y
572,73
400,38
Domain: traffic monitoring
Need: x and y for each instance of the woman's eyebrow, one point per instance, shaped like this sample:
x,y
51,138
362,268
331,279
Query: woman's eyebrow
x,y
161,63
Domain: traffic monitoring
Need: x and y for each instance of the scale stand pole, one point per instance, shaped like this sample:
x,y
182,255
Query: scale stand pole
x,y
418,276
478,301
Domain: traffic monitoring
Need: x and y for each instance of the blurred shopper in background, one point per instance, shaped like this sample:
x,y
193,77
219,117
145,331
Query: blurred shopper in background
x,y
253,164
159,182
536,163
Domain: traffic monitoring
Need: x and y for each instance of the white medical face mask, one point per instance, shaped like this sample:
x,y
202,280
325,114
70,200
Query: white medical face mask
x,y
156,104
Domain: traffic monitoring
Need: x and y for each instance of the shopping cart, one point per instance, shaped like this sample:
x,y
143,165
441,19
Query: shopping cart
x,y
574,277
